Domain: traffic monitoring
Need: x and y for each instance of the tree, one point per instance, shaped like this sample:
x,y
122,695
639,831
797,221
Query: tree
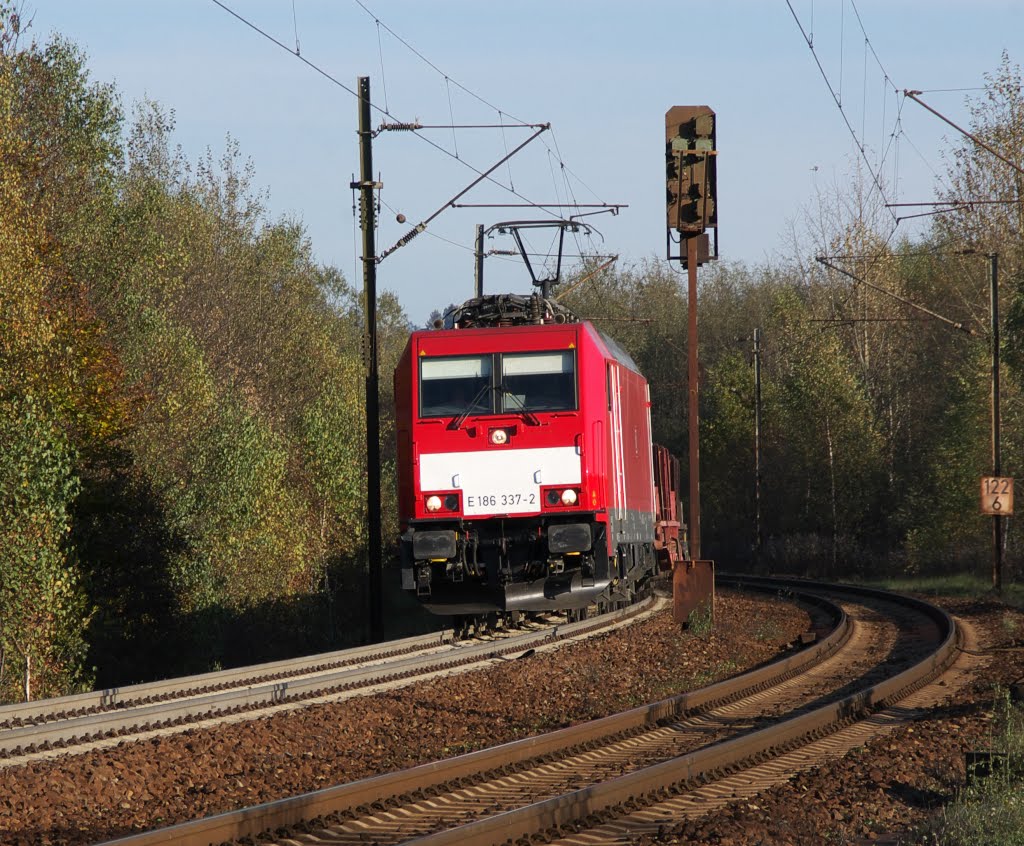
x,y
975,175
57,154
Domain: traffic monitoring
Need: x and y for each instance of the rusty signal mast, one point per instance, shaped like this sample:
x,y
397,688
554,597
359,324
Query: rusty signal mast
x,y
691,209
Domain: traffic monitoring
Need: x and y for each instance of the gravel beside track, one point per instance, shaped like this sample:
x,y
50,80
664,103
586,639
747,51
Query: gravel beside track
x,y
879,792
893,649
167,706
565,780
139,785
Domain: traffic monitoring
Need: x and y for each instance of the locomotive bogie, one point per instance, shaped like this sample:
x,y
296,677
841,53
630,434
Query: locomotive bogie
x,y
510,564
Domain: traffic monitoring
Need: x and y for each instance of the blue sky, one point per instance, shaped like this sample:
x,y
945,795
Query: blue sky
x,y
603,73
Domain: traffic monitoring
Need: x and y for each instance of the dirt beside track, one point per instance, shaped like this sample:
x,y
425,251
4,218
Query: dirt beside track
x,y
888,786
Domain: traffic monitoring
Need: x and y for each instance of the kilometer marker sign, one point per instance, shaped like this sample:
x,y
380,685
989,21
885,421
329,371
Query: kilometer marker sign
x,y
996,495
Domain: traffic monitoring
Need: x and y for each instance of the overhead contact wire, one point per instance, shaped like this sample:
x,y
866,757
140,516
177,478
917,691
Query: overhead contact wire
x,y
383,79
427,61
842,39
287,49
451,115
471,93
373,106
864,32
505,142
838,101
295,25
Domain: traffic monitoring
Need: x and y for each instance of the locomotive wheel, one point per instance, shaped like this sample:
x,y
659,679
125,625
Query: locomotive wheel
x,y
466,627
576,615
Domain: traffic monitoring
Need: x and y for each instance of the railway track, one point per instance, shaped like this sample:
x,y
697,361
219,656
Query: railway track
x,y
603,781
57,726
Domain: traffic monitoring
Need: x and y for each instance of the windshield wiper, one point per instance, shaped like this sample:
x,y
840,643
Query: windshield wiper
x,y
528,416
458,421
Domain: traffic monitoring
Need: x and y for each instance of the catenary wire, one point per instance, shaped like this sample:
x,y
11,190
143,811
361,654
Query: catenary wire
x,y
433,234
473,94
295,26
838,100
334,80
878,61
949,90
383,78
451,115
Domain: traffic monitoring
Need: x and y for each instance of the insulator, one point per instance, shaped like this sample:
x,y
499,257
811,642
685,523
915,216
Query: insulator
x,y
400,127
536,312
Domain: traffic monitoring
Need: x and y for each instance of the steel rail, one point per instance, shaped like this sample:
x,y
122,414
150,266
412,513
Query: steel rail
x,y
189,708
251,822
655,783
124,695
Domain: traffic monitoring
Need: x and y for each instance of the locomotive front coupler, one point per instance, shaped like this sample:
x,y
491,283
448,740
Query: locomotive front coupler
x,y
423,579
587,570
471,541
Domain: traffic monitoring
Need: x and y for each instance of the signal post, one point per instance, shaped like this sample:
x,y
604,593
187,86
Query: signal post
x,y
692,209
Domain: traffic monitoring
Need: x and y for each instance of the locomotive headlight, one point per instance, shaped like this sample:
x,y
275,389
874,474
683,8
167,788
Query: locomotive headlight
x,y
499,437
433,503
568,497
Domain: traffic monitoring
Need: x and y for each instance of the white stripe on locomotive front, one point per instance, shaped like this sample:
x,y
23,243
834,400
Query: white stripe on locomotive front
x,y
511,476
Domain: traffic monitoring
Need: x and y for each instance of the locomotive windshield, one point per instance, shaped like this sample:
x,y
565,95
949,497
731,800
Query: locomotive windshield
x,y
527,382
538,382
456,385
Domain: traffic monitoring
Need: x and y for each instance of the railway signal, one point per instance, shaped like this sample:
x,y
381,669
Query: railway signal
x,y
691,204
690,169
691,208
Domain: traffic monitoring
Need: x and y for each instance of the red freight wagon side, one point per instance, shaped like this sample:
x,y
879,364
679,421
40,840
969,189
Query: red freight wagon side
x,y
525,472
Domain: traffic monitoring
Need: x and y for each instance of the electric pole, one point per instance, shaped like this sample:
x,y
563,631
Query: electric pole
x,y
479,278
758,534
997,520
368,222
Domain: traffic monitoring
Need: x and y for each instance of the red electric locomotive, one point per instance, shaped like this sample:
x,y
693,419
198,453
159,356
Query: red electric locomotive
x,y
525,462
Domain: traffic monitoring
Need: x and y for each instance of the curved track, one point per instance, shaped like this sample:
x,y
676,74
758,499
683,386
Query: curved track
x,y
37,728
583,782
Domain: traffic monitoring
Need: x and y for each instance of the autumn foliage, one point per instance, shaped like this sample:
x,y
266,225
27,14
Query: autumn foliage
x,y
181,472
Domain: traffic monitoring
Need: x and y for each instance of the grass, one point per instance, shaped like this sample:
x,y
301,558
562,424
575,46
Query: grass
x,y
768,632
991,810
701,621
721,670
956,585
